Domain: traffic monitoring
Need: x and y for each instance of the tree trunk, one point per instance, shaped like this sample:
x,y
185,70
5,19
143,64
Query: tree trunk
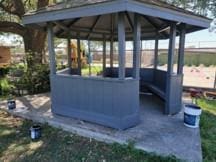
x,y
34,42
34,39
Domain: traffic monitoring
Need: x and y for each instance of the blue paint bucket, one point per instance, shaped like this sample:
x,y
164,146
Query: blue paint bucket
x,y
35,131
192,115
11,104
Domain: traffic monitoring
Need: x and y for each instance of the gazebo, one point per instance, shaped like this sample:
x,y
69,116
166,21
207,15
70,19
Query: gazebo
x,y
113,98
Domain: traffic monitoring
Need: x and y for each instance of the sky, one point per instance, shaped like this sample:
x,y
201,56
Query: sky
x,y
202,38
203,35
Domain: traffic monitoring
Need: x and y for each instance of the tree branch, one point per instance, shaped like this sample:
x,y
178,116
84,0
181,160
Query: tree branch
x,y
15,7
12,27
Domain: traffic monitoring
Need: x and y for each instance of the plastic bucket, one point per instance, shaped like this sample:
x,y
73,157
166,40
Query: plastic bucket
x,y
192,115
11,104
35,132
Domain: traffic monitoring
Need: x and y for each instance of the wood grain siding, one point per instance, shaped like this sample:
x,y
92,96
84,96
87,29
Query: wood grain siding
x,y
174,101
111,102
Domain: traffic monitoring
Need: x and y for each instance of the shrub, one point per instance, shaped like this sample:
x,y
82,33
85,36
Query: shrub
x,y
36,79
207,59
5,87
4,71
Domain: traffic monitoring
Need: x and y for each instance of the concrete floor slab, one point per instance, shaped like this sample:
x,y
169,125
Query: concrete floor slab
x,y
158,133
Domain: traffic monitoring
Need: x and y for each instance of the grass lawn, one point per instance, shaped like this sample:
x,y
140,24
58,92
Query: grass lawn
x,y
208,130
57,145
95,69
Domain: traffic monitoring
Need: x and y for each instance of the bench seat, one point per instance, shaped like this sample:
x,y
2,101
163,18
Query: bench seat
x,y
153,88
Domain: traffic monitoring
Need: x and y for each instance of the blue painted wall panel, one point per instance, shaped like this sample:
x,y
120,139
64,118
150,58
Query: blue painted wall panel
x,y
110,102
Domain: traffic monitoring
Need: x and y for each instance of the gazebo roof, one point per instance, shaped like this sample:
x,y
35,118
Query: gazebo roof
x,y
96,19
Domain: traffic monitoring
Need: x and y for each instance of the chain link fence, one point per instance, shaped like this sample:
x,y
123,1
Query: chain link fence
x,y
199,69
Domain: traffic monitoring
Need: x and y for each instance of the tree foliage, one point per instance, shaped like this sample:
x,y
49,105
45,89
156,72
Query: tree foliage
x,y
202,7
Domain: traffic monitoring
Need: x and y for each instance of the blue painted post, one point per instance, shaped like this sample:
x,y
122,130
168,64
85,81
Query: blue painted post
x,y
111,40
69,54
156,53
51,49
181,49
104,54
171,54
79,55
111,52
89,57
141,53
181,57
171,51
137,46
121,44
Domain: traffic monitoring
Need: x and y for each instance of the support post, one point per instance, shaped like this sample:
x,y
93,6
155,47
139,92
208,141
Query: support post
x,y
156,53
51,49
171,52
215,81
121,45
181,49
111,41
181,58
69,54
169,108
111,52
104,55
79,54
89,57
137,46
141,52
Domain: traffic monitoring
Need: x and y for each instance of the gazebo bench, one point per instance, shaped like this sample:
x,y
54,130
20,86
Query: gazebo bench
x,y
155,83
156,90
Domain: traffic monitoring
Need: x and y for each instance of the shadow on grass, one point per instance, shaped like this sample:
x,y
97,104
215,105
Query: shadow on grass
x,y
57,145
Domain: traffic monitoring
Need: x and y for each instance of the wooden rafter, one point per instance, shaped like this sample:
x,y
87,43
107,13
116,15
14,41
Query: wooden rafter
x,y
155,26
129,20
68,25
93,26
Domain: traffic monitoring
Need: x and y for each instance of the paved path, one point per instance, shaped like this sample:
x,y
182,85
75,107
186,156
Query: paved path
x,y
164,135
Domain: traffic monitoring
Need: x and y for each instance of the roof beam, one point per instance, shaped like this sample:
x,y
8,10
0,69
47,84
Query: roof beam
x,y
93,26
68,25
129,20
61,26
112,16
167,26
155,25
85,30
78,29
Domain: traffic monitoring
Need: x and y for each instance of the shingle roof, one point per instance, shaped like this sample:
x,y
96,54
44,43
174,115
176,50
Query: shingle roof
x,y
80,3
91,18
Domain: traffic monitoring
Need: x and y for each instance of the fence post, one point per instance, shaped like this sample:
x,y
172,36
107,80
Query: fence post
x,y
215,81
